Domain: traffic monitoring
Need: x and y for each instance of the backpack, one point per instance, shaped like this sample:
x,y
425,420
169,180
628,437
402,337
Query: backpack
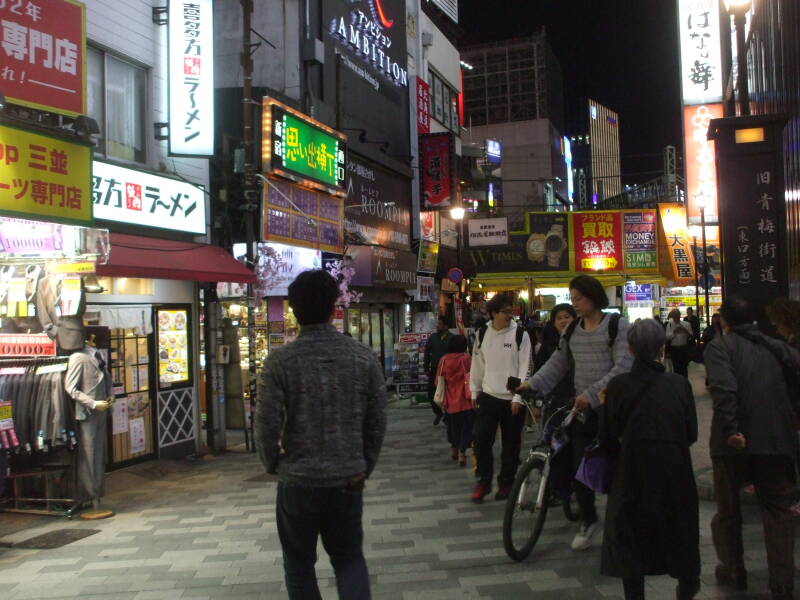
x,y
613,330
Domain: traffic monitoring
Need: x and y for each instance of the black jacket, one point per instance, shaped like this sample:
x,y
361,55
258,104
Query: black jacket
x,y
750,393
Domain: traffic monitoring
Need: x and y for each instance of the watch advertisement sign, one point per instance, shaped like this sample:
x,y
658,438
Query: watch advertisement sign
x,y
44,55
191,77
139,198
488,232
641,245
423,106
598,241
437,159
377,205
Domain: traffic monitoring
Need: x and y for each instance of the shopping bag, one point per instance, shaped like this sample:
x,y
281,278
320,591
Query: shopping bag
x,y
596,472
438,396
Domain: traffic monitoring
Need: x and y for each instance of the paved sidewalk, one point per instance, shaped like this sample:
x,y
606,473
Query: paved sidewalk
x,y
205,529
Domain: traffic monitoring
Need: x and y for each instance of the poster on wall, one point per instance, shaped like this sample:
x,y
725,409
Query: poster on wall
x,y
427,225
119,416
641,245
428,256
547,243
598,241
137,435
173,347
437,161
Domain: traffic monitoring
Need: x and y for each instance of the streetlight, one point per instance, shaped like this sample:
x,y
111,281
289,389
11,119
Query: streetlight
x,y
694,232
739,10
457,214
700,201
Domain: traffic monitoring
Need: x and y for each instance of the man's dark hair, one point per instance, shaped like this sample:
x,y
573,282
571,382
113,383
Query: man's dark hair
x,y
498,303
690,309
737,310
590,288
312,296
444,319
457,344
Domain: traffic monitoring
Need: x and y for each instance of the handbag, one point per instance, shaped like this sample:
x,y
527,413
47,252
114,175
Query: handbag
x,y
596,471
438,395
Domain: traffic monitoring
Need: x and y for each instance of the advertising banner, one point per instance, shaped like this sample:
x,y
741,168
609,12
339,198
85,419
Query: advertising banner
x,y
42,176
676,242
26,344
318,224
488,232
139,198
598,241
191,77
427,226
423,106
279,264
701,168
428,256
701,57
44,55
449,231
437,161
173,347
377,204
641,243
638,292
384,267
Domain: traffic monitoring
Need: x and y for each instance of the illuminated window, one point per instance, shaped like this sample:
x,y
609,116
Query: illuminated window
x,y
126,286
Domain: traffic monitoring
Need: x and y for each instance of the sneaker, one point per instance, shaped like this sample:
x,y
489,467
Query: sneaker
x,y
481,490
583,539
725,576
502,492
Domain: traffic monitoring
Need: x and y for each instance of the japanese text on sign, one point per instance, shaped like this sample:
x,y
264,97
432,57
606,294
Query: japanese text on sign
x,y
423,106
701,63
598,239
673,221
437,158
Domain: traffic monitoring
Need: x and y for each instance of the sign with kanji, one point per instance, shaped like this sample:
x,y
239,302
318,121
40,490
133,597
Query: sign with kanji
x,y
488,232
437,170
43,54
41,176
423,106
295,215
139,198
302,149
701,58
598,241
701,168
641,245
677,246
191,77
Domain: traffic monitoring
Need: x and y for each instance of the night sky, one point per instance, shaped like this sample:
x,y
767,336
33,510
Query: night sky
x,y
622,53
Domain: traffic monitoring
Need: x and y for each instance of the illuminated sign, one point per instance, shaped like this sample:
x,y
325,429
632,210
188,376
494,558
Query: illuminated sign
x,y
44,55
701,59
130,196
368,34
493,152
641,249
701,169
44,177
488,232
302,149
423,106
676,241
568,161
191,78
598,241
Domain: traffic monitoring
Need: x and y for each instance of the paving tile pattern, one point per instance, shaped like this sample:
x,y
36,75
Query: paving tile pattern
x,y
206,529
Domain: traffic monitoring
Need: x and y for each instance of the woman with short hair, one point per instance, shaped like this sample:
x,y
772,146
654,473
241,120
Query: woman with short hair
x,y
679,335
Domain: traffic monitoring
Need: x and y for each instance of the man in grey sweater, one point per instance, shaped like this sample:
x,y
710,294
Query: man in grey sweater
x,y
320,422
596,354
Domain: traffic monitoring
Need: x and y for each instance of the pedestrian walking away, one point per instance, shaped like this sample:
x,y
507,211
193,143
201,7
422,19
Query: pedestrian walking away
x,y
595,349
753,439
648,420
320,422
500,362
435,349
679,338
457,401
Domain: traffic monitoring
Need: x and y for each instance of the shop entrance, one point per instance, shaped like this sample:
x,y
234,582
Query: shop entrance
x,y
375,326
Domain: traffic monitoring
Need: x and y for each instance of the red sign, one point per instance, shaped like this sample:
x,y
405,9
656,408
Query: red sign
x,y
423,106
437,156
43,55
598,241
26,344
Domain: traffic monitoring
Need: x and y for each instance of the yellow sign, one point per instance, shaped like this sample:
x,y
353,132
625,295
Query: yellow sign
x,y
173,347
42,176
75,267
675,239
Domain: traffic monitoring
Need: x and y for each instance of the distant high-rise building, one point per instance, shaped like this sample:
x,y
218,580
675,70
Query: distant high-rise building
x,y
595,154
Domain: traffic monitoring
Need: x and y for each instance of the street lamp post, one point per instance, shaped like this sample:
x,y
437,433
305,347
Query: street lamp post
x,y
739,10
457,213
705,262
693,232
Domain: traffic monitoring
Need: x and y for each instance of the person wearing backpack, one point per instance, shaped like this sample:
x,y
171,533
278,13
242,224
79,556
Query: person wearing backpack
x,y
500,362
595,349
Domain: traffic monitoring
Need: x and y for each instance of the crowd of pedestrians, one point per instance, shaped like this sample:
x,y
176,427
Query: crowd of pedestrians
x,y
627,405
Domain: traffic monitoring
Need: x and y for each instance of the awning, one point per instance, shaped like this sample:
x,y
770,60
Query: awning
x,y
136,256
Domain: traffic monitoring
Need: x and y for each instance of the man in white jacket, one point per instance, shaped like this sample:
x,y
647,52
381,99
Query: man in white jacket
x,y
501,351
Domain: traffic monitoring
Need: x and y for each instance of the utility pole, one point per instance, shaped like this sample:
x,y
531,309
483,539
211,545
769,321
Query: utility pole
x,y
249,209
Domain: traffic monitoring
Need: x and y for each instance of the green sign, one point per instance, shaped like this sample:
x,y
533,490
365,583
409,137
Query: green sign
x,y
303,149
641,260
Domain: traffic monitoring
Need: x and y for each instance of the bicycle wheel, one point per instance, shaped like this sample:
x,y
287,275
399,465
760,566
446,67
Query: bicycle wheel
x,y
523,520
572,509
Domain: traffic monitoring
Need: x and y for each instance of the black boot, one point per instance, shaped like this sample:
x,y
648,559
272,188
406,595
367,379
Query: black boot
x,y
687,588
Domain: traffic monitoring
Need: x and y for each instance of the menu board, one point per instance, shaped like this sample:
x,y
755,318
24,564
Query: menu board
x,y
173,346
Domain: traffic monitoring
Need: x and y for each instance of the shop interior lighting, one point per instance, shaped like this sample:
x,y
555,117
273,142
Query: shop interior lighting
x,y
733,6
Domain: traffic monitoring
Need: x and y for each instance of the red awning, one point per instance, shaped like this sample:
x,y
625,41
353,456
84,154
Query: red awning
x,y
136,256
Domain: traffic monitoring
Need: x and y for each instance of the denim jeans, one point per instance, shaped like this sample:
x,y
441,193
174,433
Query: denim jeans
x,y
303,514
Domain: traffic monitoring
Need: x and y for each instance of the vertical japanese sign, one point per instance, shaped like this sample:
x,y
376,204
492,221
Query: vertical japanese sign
x,y
43,54
44,177
598,241
641,246
677,245
191,78
423,106
701,58
437,159
130,196
701,169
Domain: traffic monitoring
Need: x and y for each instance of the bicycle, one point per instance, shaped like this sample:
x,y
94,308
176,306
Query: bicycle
x,y
531,494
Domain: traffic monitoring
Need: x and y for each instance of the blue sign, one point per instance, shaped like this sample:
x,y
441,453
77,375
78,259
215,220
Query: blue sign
x,y
638,292
493,152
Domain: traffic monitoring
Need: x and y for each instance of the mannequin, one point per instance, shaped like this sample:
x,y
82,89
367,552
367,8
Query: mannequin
x,y
60,304
88,382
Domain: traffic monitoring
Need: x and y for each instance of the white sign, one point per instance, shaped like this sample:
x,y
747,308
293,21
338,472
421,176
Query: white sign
x,y
129,196
137,435
119,417
191,78
425,289
279,264
448,232
701,59
488,232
